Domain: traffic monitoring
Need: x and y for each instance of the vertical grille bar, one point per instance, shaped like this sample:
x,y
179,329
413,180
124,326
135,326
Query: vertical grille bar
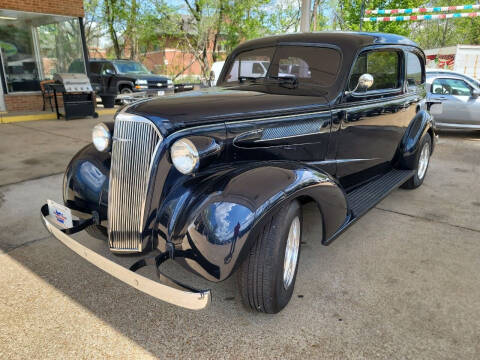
x,y
134,144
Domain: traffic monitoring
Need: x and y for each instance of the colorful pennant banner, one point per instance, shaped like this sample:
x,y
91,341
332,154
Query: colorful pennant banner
x,y
421,10
422,17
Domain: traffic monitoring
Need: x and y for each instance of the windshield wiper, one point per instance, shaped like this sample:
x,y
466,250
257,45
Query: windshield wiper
x,y
289,82
250,78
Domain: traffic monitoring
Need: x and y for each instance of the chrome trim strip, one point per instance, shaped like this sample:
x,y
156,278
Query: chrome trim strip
x,y
226,122
187,299
457,126
339,161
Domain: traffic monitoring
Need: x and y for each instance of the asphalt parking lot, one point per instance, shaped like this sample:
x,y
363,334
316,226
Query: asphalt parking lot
x,y
402,283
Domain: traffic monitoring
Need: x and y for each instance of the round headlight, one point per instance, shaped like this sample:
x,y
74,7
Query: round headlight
x,y
184,156
101,137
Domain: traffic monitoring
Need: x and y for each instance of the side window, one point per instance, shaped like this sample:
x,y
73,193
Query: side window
x,y
108,66
414,70
383,65
451,87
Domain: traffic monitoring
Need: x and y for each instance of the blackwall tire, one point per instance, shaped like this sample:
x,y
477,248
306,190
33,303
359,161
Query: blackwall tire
x,y
422,160
267,276
126,90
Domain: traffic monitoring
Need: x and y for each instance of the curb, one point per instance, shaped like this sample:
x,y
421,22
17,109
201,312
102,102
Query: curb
x,y
5,118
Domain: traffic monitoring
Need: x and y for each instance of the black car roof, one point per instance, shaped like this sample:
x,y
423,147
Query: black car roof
x,y
349,43
342,39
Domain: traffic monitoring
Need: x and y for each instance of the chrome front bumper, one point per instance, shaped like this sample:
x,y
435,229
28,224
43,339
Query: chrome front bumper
x,y
186,297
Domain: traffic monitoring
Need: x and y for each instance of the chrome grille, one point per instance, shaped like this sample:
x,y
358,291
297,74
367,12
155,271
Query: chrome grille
x,y
134,144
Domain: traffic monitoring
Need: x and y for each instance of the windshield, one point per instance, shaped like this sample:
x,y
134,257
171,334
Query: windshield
x,y
129,67
305,64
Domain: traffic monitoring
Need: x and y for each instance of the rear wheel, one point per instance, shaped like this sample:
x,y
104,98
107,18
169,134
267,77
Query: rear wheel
x,y
267,276
422,161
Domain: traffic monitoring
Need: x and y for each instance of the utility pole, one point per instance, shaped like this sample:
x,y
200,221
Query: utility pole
x,y
305,15
362,14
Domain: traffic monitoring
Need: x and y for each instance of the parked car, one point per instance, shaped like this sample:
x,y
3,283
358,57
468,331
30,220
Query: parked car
x,y
459,98
126,77
215,179
441,72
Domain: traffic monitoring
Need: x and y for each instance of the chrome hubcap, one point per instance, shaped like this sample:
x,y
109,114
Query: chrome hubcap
x,y
291,253
423,161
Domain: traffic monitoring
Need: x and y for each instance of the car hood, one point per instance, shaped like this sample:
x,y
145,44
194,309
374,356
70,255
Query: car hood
x,y
220,104
148,77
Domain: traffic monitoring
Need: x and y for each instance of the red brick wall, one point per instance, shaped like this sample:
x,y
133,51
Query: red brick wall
x,y
28,102
33,102
60,7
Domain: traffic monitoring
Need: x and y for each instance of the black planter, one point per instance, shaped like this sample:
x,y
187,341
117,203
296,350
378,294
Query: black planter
x,y
108,101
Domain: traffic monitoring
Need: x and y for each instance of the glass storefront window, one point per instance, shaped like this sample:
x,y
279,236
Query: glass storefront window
x,y
36,46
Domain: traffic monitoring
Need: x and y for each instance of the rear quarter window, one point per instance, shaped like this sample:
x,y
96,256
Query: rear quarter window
x,y
415,74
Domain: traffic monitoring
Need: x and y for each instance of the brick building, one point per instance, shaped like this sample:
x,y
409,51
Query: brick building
x,y
38,38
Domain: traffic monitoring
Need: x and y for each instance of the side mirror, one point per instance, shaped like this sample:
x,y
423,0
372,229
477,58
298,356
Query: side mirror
x,y
365,82
109,72
475,93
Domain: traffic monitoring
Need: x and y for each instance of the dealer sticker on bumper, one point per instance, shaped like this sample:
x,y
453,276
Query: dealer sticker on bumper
x,y
61,214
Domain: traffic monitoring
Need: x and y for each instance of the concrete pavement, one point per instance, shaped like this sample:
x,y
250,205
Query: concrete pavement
x,y
402,283
29,150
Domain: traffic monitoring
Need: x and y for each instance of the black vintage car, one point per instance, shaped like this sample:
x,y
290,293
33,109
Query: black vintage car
x,y
215,179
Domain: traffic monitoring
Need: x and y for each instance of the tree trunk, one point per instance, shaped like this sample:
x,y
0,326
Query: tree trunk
x,y
218,31
314,15
110,17
131,31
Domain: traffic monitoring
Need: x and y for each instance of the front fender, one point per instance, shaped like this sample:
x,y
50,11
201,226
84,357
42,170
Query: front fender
x,y
85,183
217,216
418,127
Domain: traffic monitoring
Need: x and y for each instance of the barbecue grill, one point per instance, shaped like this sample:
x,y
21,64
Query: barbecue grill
x,y
78,96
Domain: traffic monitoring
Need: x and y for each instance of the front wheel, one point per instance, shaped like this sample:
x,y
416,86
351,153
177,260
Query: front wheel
x,y
267,276
422,161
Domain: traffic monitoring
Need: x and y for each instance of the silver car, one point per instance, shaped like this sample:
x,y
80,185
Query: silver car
x,y
460,100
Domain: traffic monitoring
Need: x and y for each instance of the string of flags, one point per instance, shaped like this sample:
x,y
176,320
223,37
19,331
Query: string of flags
x,y
421,11
422,17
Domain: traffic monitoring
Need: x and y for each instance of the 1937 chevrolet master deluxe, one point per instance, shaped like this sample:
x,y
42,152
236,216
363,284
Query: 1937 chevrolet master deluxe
x,y
215,179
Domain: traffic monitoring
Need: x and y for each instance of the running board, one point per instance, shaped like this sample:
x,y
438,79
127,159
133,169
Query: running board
x,y
367,196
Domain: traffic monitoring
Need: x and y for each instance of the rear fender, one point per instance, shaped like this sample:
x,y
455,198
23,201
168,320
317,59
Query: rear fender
x,y
421,124
217,216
